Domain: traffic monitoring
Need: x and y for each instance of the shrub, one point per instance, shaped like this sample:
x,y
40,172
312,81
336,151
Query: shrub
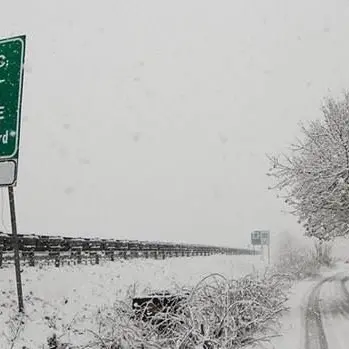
x,y
218,314
323,253
301,260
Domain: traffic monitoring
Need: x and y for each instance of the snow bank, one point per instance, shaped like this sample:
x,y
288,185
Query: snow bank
x,y
58,297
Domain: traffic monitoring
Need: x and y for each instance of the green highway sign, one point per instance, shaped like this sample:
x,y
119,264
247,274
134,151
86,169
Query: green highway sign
x,y
265,237
12,51
256,238
260,237
11,81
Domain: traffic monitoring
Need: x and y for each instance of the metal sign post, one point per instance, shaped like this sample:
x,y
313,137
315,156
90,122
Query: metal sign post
x,y
12,53
16,250
265,239
262,251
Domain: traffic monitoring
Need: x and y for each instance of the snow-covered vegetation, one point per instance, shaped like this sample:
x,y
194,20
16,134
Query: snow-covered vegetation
x,y
314,176
301,258
218,313
65,301
230,301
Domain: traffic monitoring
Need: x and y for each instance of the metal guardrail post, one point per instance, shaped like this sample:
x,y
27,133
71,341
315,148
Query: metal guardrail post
x,y
31,256
79,255
55,254
110,254
94,256
1,254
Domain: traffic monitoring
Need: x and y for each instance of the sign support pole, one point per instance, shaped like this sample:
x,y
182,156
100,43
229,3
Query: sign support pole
x,y
262,252
16,249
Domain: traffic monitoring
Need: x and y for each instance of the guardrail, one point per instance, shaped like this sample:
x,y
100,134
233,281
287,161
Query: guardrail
x,y
60,249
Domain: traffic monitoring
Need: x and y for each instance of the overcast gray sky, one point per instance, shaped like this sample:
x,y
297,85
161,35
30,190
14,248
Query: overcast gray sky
x,y
151,119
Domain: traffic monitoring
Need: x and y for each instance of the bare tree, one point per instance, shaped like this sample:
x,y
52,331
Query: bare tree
x,y
313,177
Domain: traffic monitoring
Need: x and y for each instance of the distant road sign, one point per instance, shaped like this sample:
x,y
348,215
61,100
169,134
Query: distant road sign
x,y
12,53
260,237
265,237
256,238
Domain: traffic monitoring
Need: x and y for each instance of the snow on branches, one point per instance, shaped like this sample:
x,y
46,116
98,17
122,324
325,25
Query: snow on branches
x,y
314,176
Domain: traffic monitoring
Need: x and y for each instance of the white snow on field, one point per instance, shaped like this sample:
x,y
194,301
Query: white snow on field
x,y
58,297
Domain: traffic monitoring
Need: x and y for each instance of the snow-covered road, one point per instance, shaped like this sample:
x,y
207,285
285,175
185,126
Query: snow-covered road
x,y
319,314
326,315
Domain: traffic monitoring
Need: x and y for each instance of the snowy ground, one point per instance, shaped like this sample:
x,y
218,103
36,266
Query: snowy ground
x,y
334,308
290,333
58,297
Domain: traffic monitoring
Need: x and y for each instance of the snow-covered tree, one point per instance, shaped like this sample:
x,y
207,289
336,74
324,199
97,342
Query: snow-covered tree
x,y
313,177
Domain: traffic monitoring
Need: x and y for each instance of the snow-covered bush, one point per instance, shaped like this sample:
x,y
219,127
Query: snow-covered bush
x,y
300,260
218,313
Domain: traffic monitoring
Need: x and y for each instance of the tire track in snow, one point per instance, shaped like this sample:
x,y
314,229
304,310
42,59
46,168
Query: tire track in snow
x,y
315,337
345,291
342,299
335,311
335,307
